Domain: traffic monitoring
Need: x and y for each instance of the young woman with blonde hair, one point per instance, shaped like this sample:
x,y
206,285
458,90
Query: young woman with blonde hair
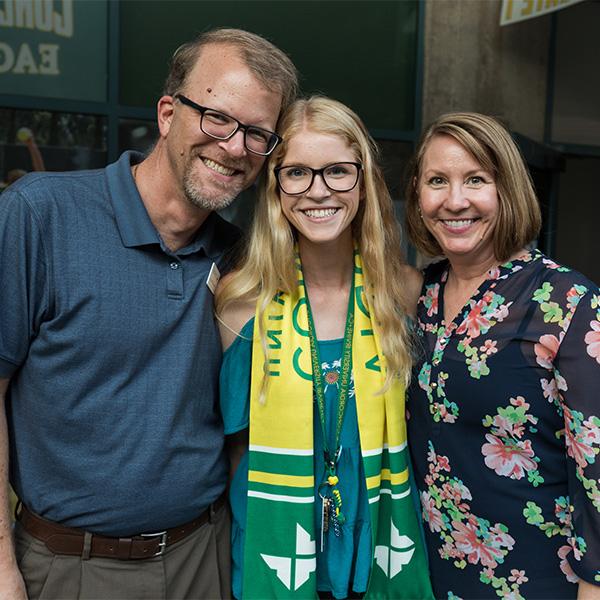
x,y
315,326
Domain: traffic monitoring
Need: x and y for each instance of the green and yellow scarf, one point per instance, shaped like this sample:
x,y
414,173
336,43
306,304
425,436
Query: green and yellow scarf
x,y
280,547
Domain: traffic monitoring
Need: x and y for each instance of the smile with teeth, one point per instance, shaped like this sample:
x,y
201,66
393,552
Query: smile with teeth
x,y
219,168
320,213
457,223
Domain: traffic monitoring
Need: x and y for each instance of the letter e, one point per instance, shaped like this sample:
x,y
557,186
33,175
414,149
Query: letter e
x,y
49,59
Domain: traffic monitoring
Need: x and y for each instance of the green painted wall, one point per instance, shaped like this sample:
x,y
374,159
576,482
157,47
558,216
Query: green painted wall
x,y
54,49
360,52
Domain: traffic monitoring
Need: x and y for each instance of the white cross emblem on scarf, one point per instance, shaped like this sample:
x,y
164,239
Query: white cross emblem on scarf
x,y
391,560
304,563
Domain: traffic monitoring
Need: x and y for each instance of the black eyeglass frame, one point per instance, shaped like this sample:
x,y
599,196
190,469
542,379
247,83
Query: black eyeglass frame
x,y
202,109
320,172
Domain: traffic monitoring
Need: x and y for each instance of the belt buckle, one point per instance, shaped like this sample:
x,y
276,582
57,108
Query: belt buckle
x,y
162,544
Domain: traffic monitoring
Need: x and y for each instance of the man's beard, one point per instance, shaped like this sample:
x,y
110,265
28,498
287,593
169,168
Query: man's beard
x,y
201,198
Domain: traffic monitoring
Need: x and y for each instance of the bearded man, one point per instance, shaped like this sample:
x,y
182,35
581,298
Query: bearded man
x,y
109,354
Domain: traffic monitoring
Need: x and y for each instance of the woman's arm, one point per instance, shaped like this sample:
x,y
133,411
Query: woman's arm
x,y
413,281
235,378
577,379
233,317
237,444
587,591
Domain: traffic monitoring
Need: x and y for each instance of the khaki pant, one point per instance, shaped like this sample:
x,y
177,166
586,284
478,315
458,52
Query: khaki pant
x,y
197,567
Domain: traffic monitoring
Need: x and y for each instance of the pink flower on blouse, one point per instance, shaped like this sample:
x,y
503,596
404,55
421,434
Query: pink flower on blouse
x,y
550,263
503,425
494,273
443,463
501,538
448,550
430,513
554,386
446,416
512,459
592,339
489,347
580,442
519,401
546,349
518,576
573,297
474,321
501,312
565,567
476,550
430,299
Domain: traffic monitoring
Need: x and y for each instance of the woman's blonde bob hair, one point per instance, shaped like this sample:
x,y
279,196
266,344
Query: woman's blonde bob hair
x,y
268,259
519,218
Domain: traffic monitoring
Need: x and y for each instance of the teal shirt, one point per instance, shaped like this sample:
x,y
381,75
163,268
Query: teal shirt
x,y
344,565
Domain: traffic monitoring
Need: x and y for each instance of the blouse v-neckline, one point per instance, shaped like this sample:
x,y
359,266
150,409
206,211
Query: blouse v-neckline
x,y
493,275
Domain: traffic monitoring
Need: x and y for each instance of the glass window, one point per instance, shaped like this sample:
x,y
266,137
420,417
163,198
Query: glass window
x,y
36,140
135,134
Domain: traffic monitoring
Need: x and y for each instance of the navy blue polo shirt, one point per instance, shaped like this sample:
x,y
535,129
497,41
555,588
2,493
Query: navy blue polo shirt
x,y
110,344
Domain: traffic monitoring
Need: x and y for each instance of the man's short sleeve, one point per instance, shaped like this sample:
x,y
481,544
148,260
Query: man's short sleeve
x,y
24,290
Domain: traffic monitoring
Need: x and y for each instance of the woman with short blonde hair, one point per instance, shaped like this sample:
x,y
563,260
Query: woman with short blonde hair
x,y
519,218
504,425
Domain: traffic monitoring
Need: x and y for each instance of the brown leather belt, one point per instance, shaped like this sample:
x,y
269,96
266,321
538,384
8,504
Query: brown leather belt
x,y
68,540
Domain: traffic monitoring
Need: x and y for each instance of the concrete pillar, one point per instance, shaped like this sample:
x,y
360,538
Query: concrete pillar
x,y
471,63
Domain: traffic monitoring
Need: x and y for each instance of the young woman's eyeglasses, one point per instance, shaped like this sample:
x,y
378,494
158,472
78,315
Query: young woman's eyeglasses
x,y
338,177
220,126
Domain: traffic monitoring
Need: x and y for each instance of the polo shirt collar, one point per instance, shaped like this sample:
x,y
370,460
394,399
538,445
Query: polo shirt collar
x,y
133,222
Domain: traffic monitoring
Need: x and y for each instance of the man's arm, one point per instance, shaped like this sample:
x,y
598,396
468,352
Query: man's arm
x,y
11,582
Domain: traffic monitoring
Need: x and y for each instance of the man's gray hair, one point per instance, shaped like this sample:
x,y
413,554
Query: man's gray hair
x,y
272,67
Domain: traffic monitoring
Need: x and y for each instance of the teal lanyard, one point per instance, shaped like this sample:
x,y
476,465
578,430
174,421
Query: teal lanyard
x,y
331,495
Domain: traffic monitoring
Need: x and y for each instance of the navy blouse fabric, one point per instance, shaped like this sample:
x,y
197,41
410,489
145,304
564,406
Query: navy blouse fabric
x,y
504,433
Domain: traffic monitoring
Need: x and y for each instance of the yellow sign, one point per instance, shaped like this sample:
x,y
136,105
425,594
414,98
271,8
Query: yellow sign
x,y
519,10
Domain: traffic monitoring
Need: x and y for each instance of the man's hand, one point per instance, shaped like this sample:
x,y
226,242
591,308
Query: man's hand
x,y
11,582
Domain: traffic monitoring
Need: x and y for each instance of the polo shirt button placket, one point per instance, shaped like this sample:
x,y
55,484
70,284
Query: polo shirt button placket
x,y
175,280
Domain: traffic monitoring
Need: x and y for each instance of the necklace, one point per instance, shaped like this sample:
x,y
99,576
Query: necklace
x,y
331,513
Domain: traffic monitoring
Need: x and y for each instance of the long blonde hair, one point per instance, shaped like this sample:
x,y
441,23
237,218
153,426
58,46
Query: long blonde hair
x,y
268,261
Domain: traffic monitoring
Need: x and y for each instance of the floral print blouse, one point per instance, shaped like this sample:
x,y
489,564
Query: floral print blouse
x,y
504,430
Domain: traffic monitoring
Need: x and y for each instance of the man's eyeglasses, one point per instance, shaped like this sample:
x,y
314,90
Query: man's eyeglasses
x,y
220,126
338,177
